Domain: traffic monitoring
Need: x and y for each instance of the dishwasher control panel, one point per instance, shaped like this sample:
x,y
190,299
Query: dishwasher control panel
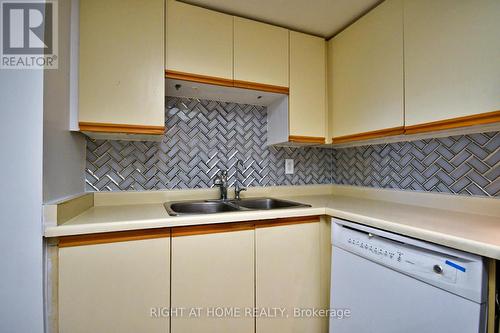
x,y
443,267
399,256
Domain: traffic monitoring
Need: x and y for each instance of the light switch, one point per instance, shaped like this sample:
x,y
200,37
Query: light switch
x,y
288,167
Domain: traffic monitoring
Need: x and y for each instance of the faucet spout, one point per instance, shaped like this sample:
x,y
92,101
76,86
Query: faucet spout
x,y
222,182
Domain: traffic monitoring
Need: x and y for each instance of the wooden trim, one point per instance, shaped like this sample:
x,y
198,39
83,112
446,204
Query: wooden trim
x,y
239,226
113,237
198,78
211,228
492,271
307,139
121,128
261,87
369,135
286,221
477,119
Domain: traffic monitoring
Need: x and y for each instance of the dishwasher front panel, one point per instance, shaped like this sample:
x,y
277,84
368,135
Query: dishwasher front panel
x,y
382,300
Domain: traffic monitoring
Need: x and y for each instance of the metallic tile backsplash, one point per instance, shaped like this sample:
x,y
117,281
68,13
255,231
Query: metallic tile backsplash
x,y
204,136
465,164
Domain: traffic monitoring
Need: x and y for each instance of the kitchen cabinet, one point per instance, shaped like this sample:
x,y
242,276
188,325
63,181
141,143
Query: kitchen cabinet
x,y
307,99
452,67
111,283
288,274
199,41
121,67
261,55
213,267
366,76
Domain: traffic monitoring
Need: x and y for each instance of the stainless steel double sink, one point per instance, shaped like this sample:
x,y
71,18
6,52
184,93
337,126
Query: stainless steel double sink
x,y
219,206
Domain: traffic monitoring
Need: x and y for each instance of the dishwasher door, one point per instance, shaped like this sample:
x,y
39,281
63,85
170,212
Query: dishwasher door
x,y
399,286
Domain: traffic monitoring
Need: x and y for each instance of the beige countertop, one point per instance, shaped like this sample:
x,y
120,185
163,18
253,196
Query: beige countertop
x,y
458,228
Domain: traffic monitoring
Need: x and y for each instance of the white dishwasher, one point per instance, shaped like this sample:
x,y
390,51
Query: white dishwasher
x,y
387,283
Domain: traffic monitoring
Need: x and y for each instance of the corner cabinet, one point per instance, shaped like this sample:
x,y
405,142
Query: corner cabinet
x,y
213,269
366,76
115,282
307,98
452,63
199,41
260,56
121,68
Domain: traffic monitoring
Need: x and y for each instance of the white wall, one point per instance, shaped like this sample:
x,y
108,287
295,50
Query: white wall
x,y
21,102
63,151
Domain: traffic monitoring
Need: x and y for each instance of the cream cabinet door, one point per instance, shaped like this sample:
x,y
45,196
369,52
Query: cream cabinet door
x,y
115,287
199,41
288,268
452,59
211,272
121,75
260,53
307,99
367,73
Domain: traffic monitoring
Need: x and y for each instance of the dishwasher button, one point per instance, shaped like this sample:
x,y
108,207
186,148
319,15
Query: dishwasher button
x,y
438,269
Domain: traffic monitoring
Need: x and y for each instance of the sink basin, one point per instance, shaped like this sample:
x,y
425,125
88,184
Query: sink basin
x,y
199,207
217,206
267,203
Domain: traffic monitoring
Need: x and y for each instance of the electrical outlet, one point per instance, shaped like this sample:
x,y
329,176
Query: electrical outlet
x,y
288,167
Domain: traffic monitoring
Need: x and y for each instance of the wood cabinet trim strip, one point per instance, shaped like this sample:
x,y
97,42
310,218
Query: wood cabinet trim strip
x,y
198,78
239,226
113,237
477,119
491,294
369,135
121,128
261,87
286,221
306,139
211,228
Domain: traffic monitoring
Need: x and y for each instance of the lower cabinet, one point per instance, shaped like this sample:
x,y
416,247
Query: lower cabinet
x,y
288,276
243,277
116,286
213,270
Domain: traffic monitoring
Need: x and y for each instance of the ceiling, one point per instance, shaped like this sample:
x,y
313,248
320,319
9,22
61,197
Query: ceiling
x,y
323,18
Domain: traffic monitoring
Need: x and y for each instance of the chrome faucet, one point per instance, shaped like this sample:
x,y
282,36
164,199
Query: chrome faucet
x,y
221,181
237,191
239,188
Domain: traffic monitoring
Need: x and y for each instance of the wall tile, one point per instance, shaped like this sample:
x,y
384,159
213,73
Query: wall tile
x,y
466,164
202,138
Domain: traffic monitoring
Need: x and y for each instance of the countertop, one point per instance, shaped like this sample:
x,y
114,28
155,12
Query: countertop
x,y
471,232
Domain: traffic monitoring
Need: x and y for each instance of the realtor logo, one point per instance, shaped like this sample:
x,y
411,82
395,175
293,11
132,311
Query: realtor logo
x,y
29,34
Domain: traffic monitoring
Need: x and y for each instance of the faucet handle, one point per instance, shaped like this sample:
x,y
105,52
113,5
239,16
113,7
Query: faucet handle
x,y
237,191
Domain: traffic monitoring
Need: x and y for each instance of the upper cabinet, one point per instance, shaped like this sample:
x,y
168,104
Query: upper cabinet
x,y
199,41
121,67
452,63
366,73
307,102
260,54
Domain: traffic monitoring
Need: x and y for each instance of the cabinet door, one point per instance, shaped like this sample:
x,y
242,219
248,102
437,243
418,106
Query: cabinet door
x,y
113,287
288,265
212,267
121,76
307,113
199,41
452,59
260,53
367,74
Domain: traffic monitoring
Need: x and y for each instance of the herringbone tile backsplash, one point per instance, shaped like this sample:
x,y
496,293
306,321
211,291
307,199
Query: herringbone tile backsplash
x,y
466,164
203,137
